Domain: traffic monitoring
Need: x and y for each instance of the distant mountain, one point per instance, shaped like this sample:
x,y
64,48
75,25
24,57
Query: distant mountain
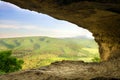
x,y
25,42
83,37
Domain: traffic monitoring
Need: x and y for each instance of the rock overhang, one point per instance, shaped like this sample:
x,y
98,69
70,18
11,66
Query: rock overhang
x,y
101,17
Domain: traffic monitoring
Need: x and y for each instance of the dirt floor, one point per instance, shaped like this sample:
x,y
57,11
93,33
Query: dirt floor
x,y
70,70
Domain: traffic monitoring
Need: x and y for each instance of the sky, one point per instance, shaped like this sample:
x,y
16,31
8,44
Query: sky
x,y
17,22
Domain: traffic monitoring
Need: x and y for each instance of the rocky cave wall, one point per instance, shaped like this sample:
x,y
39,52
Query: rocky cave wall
x,y
101,17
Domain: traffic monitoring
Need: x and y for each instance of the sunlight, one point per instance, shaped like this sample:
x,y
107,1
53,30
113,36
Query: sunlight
x,y
40,39
23,23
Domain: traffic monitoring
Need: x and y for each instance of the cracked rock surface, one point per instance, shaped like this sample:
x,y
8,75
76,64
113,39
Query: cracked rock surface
x,y
70,70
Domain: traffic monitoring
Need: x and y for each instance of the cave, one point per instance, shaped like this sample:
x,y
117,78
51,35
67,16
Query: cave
x,y
101,17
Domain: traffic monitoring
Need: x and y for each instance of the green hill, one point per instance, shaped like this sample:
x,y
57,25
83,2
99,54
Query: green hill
x,y
41,51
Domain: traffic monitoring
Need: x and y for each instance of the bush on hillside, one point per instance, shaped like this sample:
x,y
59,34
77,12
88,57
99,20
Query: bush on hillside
x,y
96,59
9,63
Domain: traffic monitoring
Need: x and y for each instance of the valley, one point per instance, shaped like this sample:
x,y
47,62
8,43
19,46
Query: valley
x,y
42,51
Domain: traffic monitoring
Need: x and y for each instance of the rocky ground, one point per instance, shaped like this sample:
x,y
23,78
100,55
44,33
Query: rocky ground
x,y
70,70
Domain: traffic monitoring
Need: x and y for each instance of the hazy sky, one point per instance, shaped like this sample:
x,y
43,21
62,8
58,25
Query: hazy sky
x,y
17,22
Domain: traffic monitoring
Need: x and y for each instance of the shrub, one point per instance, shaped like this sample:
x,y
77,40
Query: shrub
x,y
96,59
9,63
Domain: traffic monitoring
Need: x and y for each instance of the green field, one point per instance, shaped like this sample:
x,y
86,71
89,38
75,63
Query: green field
x,y
41,51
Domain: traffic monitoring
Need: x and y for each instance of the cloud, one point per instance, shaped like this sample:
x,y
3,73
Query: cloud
x,y
27,27
17,29
16,25
31,30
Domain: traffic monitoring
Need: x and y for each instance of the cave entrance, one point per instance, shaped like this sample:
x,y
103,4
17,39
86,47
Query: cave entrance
x,y
44,39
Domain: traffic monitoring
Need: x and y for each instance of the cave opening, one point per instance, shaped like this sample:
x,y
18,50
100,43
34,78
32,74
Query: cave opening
x,y
102,15
55,40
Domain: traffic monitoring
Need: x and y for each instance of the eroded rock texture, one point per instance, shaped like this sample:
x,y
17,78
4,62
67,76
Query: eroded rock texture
x,y
101,17
70,70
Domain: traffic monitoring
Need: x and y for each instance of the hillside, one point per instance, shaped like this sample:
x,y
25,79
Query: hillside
x,y
41,51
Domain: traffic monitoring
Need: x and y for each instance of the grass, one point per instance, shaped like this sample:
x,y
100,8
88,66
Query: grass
x,y
41,51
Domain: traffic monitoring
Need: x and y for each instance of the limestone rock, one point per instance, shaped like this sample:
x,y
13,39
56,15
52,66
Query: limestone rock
x,y
70,70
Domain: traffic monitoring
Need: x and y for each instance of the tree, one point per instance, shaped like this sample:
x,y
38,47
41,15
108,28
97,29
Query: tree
x,y
9,63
